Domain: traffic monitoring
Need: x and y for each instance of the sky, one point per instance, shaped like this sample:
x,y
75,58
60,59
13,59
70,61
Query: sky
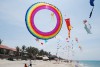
x,y
13,30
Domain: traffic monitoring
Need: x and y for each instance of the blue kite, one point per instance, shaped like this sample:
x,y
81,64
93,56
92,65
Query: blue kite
x,y
92,4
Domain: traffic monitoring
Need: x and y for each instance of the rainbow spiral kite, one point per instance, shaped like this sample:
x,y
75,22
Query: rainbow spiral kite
x,y
29,18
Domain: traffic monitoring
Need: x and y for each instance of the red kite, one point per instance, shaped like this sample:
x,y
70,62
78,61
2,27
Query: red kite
x,y
69,27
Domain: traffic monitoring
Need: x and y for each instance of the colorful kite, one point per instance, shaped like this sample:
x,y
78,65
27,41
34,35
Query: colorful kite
x,y
67,40
84,21
37,39
30,21
80,47
90,26
92,4
46,41
41,43
87,27
72,46
76,39
52,16
69,27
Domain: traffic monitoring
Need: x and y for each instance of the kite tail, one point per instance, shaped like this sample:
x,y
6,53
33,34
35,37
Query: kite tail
x,y
46,41
69,33
52,16
91,12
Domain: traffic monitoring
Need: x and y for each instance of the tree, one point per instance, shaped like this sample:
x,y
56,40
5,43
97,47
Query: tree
x,y
46,53
23,50
41,53
29,51
36,51
32,52
1,41
17,52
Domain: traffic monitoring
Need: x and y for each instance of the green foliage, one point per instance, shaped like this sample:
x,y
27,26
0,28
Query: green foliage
x,y
17,54
42,52
30,52
23,48
1,41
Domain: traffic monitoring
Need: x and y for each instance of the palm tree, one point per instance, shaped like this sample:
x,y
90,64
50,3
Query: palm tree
x,y
17,52
36,51
23,50
41,53
46,53
1,41
32,52
29,51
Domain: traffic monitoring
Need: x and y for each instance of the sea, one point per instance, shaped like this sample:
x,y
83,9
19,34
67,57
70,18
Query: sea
x,y
88,63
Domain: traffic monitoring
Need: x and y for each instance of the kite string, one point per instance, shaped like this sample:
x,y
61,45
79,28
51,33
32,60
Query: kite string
x,y
69,33
91,12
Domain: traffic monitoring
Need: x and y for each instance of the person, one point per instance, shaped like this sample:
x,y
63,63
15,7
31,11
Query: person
x,y
25,65
30,63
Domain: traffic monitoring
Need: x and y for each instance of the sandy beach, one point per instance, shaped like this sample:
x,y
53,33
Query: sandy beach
x,y
37,63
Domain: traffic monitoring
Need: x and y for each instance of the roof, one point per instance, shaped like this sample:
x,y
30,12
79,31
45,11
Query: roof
x,y
6,47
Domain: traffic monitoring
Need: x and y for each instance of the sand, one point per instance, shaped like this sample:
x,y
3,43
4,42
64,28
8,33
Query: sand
x,y
37,63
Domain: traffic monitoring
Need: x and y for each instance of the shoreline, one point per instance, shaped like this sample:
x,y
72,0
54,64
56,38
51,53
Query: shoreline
x,y
37,63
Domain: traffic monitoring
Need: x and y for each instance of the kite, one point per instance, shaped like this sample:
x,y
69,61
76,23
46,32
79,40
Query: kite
x,y
87,27
80,47
92,4
30,20
67,40
76,39
52,16
84,21
72,47
58,38
69,27
46,41
91,12
41,43
90,26
37,39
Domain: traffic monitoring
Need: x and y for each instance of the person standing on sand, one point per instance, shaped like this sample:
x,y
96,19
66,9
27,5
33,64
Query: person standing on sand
x,y
25,65
30,63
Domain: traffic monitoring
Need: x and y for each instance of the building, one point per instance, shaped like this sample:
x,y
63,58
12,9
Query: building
x,y
6,52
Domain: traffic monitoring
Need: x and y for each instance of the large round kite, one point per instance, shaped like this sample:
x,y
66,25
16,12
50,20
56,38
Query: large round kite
x,y
30,15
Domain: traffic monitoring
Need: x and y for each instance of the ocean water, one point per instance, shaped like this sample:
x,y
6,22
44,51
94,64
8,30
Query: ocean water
x,y
90,63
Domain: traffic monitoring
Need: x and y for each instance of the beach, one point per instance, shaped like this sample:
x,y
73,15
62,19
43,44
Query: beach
x,y
35,63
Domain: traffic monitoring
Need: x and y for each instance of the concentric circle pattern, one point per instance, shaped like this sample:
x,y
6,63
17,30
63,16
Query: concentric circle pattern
x,y
29,18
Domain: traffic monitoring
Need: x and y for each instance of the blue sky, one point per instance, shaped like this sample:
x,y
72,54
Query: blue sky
x,y
14,33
